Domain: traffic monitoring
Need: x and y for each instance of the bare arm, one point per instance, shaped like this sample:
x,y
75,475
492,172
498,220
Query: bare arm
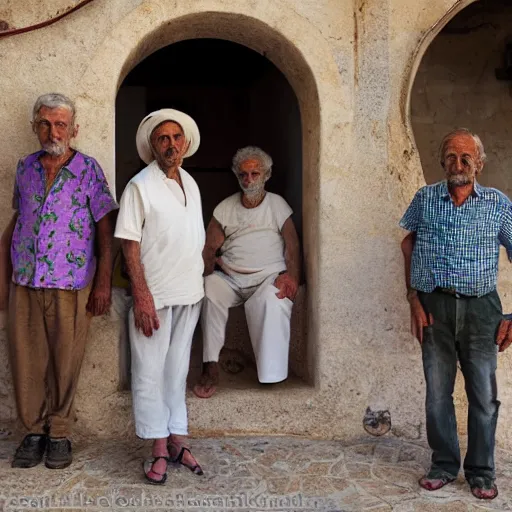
x,y
101,294
291,249
104,240
144,310
214,239
131,251
5,262
419,318
407,248
288,283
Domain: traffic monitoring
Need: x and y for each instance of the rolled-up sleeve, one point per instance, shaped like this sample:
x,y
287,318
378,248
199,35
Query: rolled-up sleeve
x,y
505,235
411,218
101,200
130,219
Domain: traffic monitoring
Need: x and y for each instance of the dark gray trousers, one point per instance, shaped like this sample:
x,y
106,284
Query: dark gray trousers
x,y
463,329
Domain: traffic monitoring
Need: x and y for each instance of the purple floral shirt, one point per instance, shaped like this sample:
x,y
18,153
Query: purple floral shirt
x,y
53,241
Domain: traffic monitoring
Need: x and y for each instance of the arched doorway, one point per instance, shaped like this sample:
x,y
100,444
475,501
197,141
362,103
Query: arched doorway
x,y
457,85
238,98
299,49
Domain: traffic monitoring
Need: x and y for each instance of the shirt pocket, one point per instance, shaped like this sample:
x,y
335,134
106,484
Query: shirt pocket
x,y
486,226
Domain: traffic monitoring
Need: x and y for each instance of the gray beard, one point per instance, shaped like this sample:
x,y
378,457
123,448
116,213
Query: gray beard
x,y
55,149
253,193
458,180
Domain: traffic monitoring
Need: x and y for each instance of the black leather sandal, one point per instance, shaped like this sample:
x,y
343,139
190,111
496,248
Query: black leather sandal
x,y
196,469
148,466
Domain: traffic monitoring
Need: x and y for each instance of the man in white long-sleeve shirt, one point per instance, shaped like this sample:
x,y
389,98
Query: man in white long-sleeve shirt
x,y
259,267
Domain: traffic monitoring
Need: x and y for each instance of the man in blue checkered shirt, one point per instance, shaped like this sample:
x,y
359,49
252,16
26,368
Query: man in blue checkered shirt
x,y
451,256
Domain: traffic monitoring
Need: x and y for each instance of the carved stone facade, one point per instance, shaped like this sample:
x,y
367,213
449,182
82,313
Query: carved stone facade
x,y
352,66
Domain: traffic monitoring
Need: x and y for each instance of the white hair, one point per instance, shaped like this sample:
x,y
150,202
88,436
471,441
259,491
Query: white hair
x,y
462,131
53,100
252,153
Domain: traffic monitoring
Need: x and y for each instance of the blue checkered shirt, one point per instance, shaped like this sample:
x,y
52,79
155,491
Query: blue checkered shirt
x,y
458,247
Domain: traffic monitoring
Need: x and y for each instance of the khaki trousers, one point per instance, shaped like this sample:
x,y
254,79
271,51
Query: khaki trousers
x,y
47,331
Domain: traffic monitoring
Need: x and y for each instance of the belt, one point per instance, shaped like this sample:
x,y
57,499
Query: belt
x,y
454,293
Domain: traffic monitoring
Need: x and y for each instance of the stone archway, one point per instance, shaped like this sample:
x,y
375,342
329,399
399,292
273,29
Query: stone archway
x,y
418,55
300,52
456,85
403,150
238,98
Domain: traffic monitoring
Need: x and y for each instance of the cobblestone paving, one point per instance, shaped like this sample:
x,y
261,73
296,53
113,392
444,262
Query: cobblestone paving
x,y
246,473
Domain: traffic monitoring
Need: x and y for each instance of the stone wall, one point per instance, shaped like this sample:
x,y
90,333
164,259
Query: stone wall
x,y
456,86
351,65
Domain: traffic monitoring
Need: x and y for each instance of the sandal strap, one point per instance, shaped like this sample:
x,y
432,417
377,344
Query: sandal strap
x,y
195,468
444,478
154,460
481,482
179,457
439,474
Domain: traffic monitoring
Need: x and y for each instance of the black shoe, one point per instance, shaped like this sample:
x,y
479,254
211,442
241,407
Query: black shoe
x,y
30,452
58,455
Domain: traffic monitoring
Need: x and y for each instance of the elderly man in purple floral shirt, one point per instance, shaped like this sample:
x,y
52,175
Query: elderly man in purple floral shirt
x,y
60,224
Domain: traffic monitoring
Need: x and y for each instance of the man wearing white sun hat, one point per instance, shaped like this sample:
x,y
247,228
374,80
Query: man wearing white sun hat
x,y
161,226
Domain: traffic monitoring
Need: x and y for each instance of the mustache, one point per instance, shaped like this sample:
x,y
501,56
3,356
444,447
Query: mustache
x,y
170,152
253,188
55,148
459,179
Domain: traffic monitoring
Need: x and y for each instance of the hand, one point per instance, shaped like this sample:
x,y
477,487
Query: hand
x,y
144,312
419,319
504,336
223,266
99,299
287,285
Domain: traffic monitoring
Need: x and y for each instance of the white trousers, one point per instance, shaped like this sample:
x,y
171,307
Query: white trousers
x,y
159,372
268,319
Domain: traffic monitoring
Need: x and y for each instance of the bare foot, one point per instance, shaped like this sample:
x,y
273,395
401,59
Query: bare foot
x,y
484,494
178,445
209,380
483,488
433,484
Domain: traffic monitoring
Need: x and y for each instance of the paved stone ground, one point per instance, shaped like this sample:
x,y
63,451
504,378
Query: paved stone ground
x,y
246,474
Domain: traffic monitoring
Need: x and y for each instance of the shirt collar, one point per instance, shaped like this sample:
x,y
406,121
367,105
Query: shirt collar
x,y
444,193
161,175
73,164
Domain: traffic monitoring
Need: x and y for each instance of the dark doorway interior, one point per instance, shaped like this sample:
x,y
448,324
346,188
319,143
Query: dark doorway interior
x,y
236,96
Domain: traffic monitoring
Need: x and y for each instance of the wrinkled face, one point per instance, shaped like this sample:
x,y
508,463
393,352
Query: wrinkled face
x,y
461,160
168,144
54,129
251,176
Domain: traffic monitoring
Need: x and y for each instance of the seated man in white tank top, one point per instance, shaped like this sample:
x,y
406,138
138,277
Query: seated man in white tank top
x,y
260,268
